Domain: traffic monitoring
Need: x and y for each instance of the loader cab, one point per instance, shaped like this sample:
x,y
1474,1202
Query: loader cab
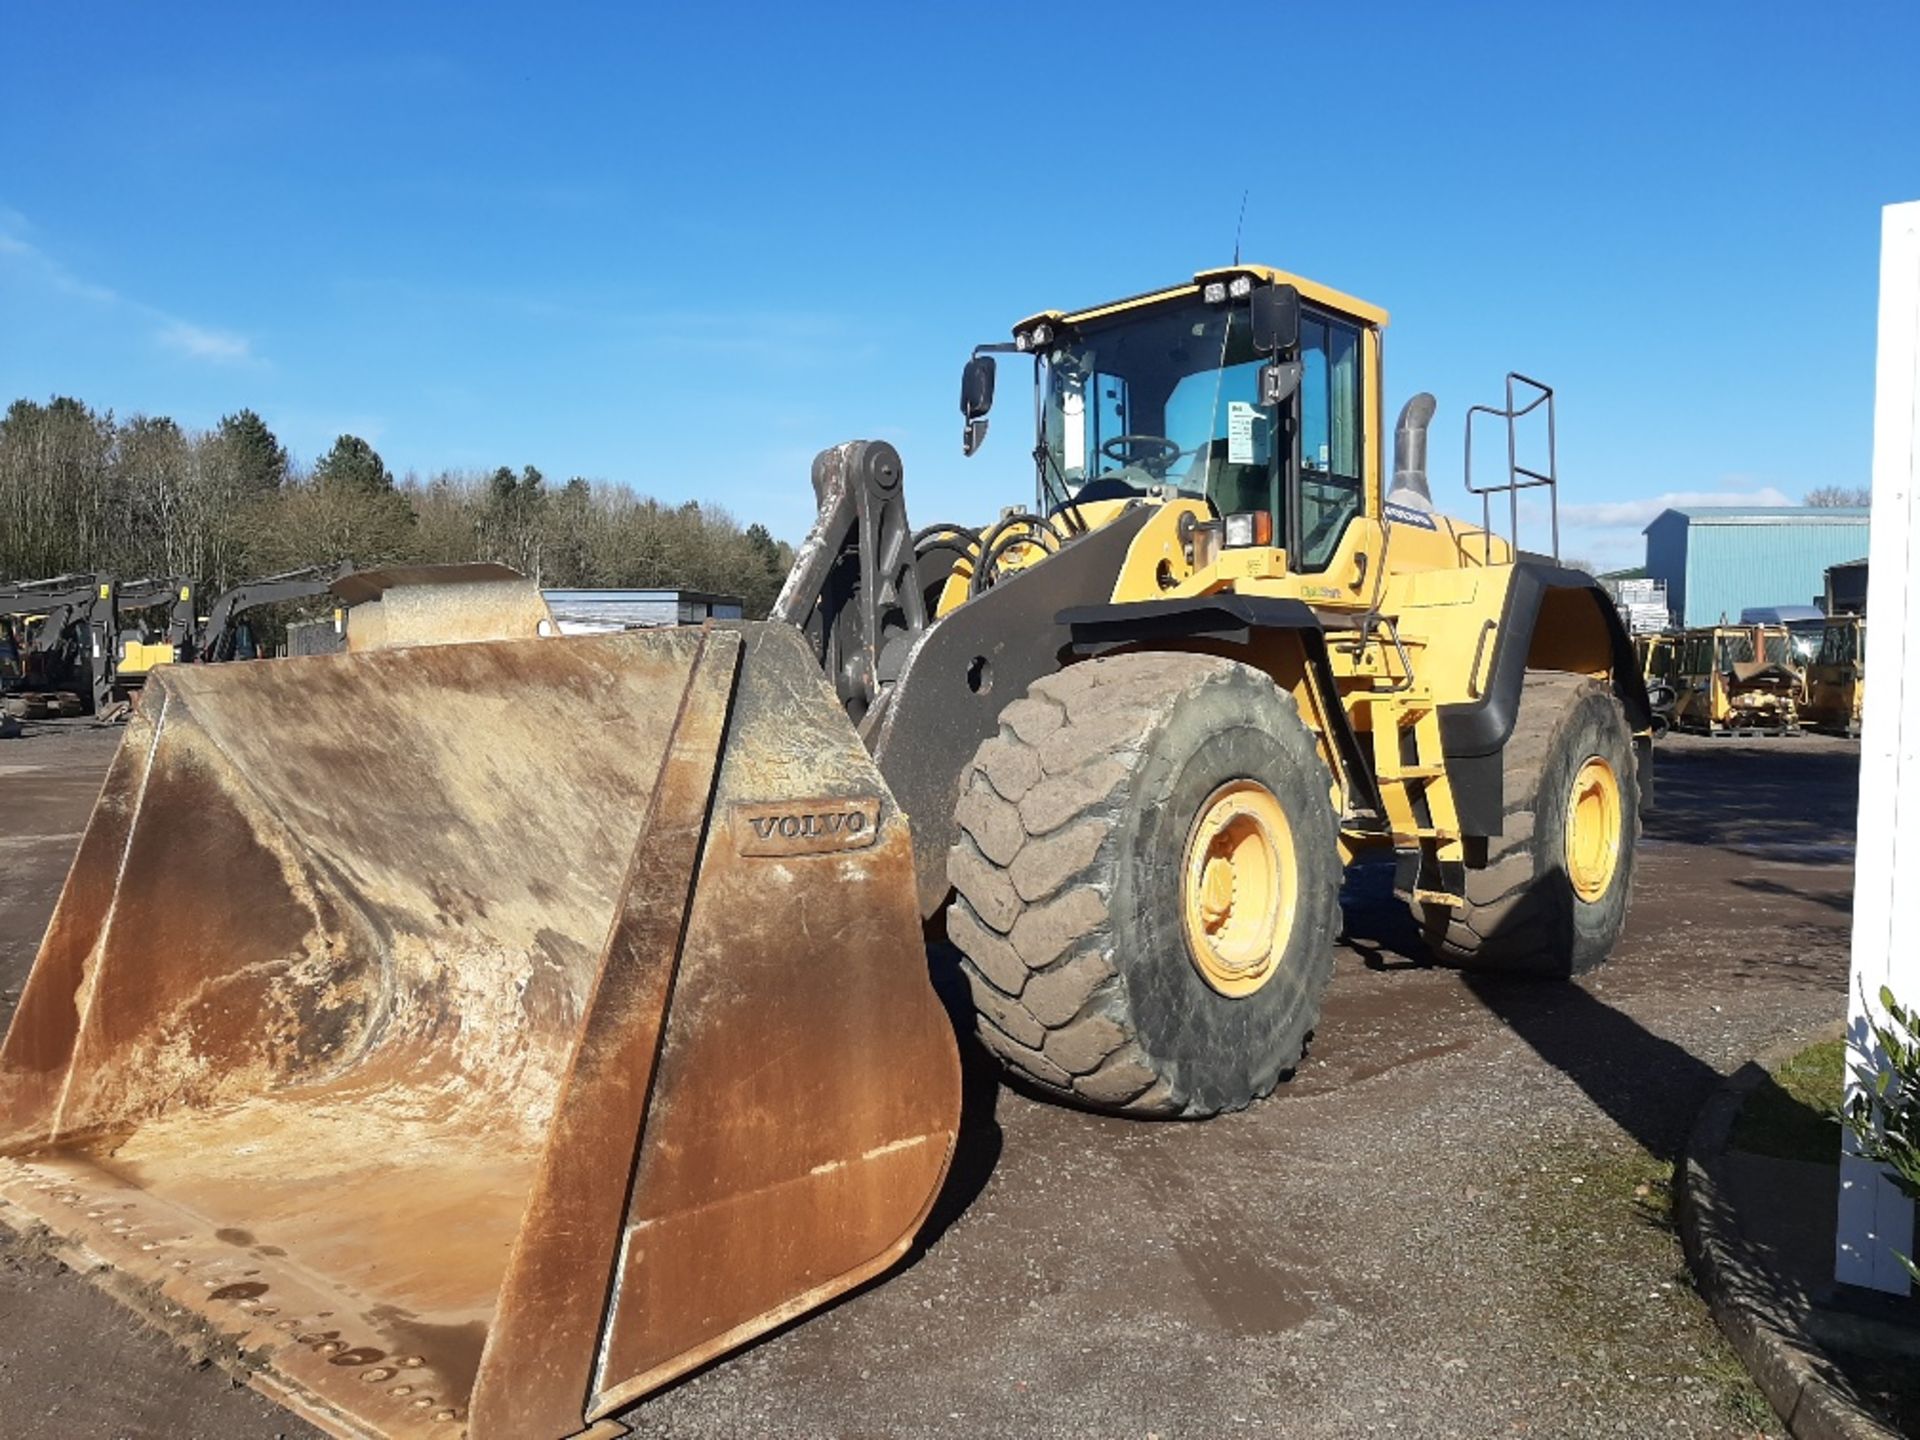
x,y
1249,390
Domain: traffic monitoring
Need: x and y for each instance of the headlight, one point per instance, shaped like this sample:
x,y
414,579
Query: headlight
x,y
1240,286
1248,527
1042,335
1023,342
1214,292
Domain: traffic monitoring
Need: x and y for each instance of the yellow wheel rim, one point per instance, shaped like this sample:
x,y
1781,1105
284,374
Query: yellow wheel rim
x,y
1239,886
1593,829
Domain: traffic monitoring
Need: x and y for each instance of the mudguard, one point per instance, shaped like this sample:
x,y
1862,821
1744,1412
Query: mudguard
x,y
1474,733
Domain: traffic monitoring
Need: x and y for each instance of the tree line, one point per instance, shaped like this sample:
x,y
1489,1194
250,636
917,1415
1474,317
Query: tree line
x,y
83,491
1833,497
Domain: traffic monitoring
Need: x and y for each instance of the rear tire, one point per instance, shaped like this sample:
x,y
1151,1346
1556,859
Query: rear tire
x,y
1080,824
1525,914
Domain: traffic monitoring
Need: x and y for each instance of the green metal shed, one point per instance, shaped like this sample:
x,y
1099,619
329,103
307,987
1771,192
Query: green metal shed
x,y
1718,560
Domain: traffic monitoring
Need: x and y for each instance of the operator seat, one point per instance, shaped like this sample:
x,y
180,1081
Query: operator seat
x,y
1230,485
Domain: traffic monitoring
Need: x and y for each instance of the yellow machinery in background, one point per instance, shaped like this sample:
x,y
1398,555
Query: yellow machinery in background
x,y
1655,653
1837,678
1657,660
155,624
1726,685
482,1028
1790,649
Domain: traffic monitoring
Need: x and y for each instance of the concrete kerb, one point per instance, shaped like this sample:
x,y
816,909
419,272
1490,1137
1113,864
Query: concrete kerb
x,y
1762,1320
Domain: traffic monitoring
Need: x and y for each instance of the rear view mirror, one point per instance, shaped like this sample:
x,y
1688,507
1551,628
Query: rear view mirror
x,y
976,387
1276,318
976,399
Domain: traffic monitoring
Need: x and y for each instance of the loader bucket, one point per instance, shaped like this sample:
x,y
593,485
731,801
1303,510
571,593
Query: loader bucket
x,y
482,1035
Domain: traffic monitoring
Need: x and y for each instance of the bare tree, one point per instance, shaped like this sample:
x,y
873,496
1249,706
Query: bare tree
x,y
80,492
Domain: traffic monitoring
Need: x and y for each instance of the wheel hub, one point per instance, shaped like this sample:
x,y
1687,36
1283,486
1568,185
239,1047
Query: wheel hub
x,y
1593,829
1239,887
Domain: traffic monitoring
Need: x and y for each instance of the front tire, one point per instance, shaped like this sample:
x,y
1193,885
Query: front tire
x,y
1552,896
1147,884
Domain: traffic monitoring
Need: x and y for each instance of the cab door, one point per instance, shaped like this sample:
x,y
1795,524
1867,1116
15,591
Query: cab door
x,y
1328,493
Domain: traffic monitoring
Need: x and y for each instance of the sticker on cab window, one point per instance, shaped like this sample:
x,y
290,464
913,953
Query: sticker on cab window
x,y
1240,420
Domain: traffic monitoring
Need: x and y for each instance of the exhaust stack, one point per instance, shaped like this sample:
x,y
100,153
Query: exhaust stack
x,y
1410,448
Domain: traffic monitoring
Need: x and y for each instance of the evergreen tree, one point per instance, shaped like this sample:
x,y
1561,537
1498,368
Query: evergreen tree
x,y
353,465
352,510
257,458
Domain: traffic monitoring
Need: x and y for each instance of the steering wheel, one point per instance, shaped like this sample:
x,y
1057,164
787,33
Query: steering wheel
x,y
1152,453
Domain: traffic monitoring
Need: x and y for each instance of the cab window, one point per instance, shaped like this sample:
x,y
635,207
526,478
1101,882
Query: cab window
x,y
1735,650
1329,411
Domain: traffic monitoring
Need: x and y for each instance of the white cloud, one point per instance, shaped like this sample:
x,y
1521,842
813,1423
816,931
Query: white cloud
x,y
1638,514
199,343
50,273
1607,533
183,337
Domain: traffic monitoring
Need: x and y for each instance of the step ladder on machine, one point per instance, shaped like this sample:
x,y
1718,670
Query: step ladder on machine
x,y
1407,760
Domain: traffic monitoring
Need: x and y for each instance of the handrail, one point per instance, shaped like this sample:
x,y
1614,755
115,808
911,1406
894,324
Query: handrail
x,y
1519,477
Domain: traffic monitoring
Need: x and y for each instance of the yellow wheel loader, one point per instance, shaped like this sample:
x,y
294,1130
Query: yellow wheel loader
x,y
483,1028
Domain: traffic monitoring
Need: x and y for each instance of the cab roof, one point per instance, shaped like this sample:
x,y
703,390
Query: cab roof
x,y
1311,291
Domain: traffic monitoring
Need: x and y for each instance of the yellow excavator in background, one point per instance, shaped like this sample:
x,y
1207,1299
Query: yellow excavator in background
x,y
483,1029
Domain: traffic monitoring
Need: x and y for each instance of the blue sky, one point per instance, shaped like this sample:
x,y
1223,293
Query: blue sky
x,y
686,253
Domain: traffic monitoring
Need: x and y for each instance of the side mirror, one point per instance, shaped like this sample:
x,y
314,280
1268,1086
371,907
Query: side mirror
x,y
1276,318
1278,380
976,398
976,387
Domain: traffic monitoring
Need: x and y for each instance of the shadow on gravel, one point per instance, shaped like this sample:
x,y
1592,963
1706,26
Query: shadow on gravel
x,y
1776,800
1375,924
1768,1196
1653,1089
1841,900
1646,1084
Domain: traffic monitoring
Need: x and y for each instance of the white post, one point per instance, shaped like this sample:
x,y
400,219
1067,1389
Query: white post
x,y
1875,1219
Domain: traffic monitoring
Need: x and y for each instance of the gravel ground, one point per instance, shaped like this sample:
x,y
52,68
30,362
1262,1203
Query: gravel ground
x,y
1452,1222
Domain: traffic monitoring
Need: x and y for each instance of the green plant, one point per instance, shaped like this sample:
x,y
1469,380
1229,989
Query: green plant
x,y
1885,1115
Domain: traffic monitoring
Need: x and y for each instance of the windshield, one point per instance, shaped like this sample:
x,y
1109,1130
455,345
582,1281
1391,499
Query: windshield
x,y
1165,398
1735,649
1843,644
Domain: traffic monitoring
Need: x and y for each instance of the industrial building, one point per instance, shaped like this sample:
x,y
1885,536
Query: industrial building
x,y
586,612
1847,588
1719,560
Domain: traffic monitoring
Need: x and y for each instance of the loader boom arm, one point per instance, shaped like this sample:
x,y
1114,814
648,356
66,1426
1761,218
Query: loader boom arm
x,y
855,588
